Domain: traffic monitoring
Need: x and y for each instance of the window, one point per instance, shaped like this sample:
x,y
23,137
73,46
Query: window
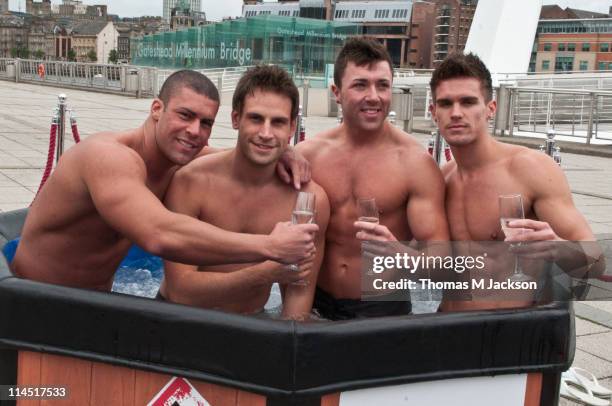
x,y
584,65
602,66
586,47
564,63
604,47
571,47
609,65
561,47
548,47
545,65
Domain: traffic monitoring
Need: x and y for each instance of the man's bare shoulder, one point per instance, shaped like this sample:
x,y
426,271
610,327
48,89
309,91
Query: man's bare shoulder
x,y
412,152
204,167
107,149
319,142
525,163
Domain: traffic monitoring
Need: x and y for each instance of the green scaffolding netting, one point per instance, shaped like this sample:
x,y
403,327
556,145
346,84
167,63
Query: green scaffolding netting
x,y
304,46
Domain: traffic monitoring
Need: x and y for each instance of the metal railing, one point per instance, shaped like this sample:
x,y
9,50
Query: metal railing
x,y
581,114
130,80
226,79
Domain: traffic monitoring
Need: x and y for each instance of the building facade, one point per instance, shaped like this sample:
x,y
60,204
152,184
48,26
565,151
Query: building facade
x,y
13,35
453,20
386,20
421,35
4,6
97,37
573,45
38,8
304,46
168,5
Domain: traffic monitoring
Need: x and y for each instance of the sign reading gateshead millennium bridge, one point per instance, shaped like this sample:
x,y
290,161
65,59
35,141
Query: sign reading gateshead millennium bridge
x,y
305,43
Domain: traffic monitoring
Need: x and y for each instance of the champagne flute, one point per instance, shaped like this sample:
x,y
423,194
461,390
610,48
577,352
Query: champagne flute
x,y
368,212
510,209
303,213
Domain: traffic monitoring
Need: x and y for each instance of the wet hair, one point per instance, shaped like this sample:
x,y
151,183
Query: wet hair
x,y
460,65
361,51
267,78
190,79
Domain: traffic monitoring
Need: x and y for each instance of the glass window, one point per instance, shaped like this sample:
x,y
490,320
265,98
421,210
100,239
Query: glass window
x,y
604,47
547,47
545,65
586,47
561,47
602,66
564,63
571,47
584,65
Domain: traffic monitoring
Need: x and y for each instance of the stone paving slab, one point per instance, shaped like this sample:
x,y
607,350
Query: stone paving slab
x,y
598,345
585,327
598,366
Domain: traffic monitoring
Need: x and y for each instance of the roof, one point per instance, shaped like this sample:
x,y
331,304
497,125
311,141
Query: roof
x,y
89,27
555,12
586,14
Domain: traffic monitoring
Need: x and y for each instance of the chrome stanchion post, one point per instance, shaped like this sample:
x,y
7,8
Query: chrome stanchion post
x,y
391,117
61,126
305,86
438,146
339,116
299,121
550,142
557,155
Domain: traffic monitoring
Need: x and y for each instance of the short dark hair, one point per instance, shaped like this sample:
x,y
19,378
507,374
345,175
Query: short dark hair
x,y
190,79
267,78
460,65
361,51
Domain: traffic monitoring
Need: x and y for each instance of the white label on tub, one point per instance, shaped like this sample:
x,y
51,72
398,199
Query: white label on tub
x,y
178,392
503,390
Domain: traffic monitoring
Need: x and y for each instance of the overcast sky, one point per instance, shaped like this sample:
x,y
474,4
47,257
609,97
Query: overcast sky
x,y
217,9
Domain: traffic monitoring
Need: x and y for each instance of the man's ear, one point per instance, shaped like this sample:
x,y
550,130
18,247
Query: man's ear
x,y
157,107
293,128
235,119
492,108
432,111
336,91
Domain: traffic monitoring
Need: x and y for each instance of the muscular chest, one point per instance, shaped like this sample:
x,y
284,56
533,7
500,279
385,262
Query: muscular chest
x,y
247,211
348,177
472,205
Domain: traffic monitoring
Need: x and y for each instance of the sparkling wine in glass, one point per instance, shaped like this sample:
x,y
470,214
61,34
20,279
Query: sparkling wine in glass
x,y
510,209
303,213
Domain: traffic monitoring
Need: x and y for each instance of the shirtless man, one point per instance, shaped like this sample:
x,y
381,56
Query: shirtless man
x,y
105,195
367,157
249,198
484,168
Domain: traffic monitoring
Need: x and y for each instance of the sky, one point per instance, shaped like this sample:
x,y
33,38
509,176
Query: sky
x,y
217,9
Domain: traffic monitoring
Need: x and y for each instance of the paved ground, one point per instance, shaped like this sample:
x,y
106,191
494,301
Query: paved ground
x,y
25,115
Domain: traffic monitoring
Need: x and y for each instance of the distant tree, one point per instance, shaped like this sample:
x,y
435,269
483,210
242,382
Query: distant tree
x,y
113,56
92,55
20,52
38,54
71,55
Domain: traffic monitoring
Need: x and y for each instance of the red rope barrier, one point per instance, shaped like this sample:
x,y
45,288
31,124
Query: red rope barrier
x,y
50,156
75,130
447,153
